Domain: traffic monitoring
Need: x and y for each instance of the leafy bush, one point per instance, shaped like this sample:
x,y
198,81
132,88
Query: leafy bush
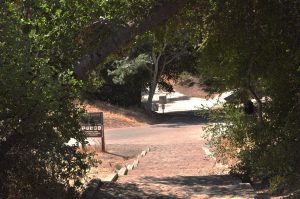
x,y
37,93
261,152
250,48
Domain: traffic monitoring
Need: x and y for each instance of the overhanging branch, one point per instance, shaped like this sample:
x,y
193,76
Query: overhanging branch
x,y
124,36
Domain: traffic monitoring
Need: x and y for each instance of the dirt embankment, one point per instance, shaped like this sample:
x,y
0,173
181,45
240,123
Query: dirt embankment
x,y
190,86
114,117
117,117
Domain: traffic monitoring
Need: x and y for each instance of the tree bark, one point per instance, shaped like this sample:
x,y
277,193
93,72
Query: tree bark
x,y
253,93
155,78
125,35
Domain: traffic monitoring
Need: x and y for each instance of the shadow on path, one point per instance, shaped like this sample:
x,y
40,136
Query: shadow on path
x,y
212,186
121,156
128,190
180,118
216,186
126,151
174,99
192,180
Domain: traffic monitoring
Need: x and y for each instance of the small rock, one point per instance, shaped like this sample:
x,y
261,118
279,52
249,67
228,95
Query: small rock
x,y
111,177
130,166
135,163
143,153
123,171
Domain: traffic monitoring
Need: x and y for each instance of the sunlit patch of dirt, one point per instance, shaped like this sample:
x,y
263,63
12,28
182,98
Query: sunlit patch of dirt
x,y
191,86
107,164
117,117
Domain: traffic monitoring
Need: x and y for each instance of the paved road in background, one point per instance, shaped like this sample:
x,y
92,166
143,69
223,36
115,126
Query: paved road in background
x,y
155,134
179,102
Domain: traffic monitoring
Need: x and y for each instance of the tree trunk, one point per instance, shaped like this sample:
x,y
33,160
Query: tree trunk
x,y
253,93
150,97
155,78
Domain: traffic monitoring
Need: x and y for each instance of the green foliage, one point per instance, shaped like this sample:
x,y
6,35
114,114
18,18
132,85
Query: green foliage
x,y
177,54
276,182
108,84
118,166
125,68
256,42
37,93
125,77
124,11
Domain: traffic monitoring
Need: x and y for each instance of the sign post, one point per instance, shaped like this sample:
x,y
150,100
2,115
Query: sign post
x,y
92,124
163,101
102,140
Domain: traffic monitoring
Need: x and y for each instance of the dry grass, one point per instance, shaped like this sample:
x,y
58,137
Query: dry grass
x,y
108,164
190,87
114,117
117,117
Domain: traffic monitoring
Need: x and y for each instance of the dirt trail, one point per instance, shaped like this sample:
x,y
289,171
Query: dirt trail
x,y
177,166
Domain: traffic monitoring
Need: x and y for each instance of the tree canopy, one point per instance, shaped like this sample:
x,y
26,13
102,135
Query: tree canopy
x,y
37,93
249,47
252,48
137,21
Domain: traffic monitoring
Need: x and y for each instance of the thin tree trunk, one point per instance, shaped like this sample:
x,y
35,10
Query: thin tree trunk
x,y
253,93
154,80
150,97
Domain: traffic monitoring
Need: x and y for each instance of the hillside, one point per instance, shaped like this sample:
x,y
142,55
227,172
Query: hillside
x,y
190,86
118,117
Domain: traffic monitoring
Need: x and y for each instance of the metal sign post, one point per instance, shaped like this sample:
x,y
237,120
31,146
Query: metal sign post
x,y
103,140
163,101
163,108
92,124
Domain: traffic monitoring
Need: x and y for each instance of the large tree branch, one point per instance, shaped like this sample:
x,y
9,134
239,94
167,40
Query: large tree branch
x,y
125,35
148,68
89,34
